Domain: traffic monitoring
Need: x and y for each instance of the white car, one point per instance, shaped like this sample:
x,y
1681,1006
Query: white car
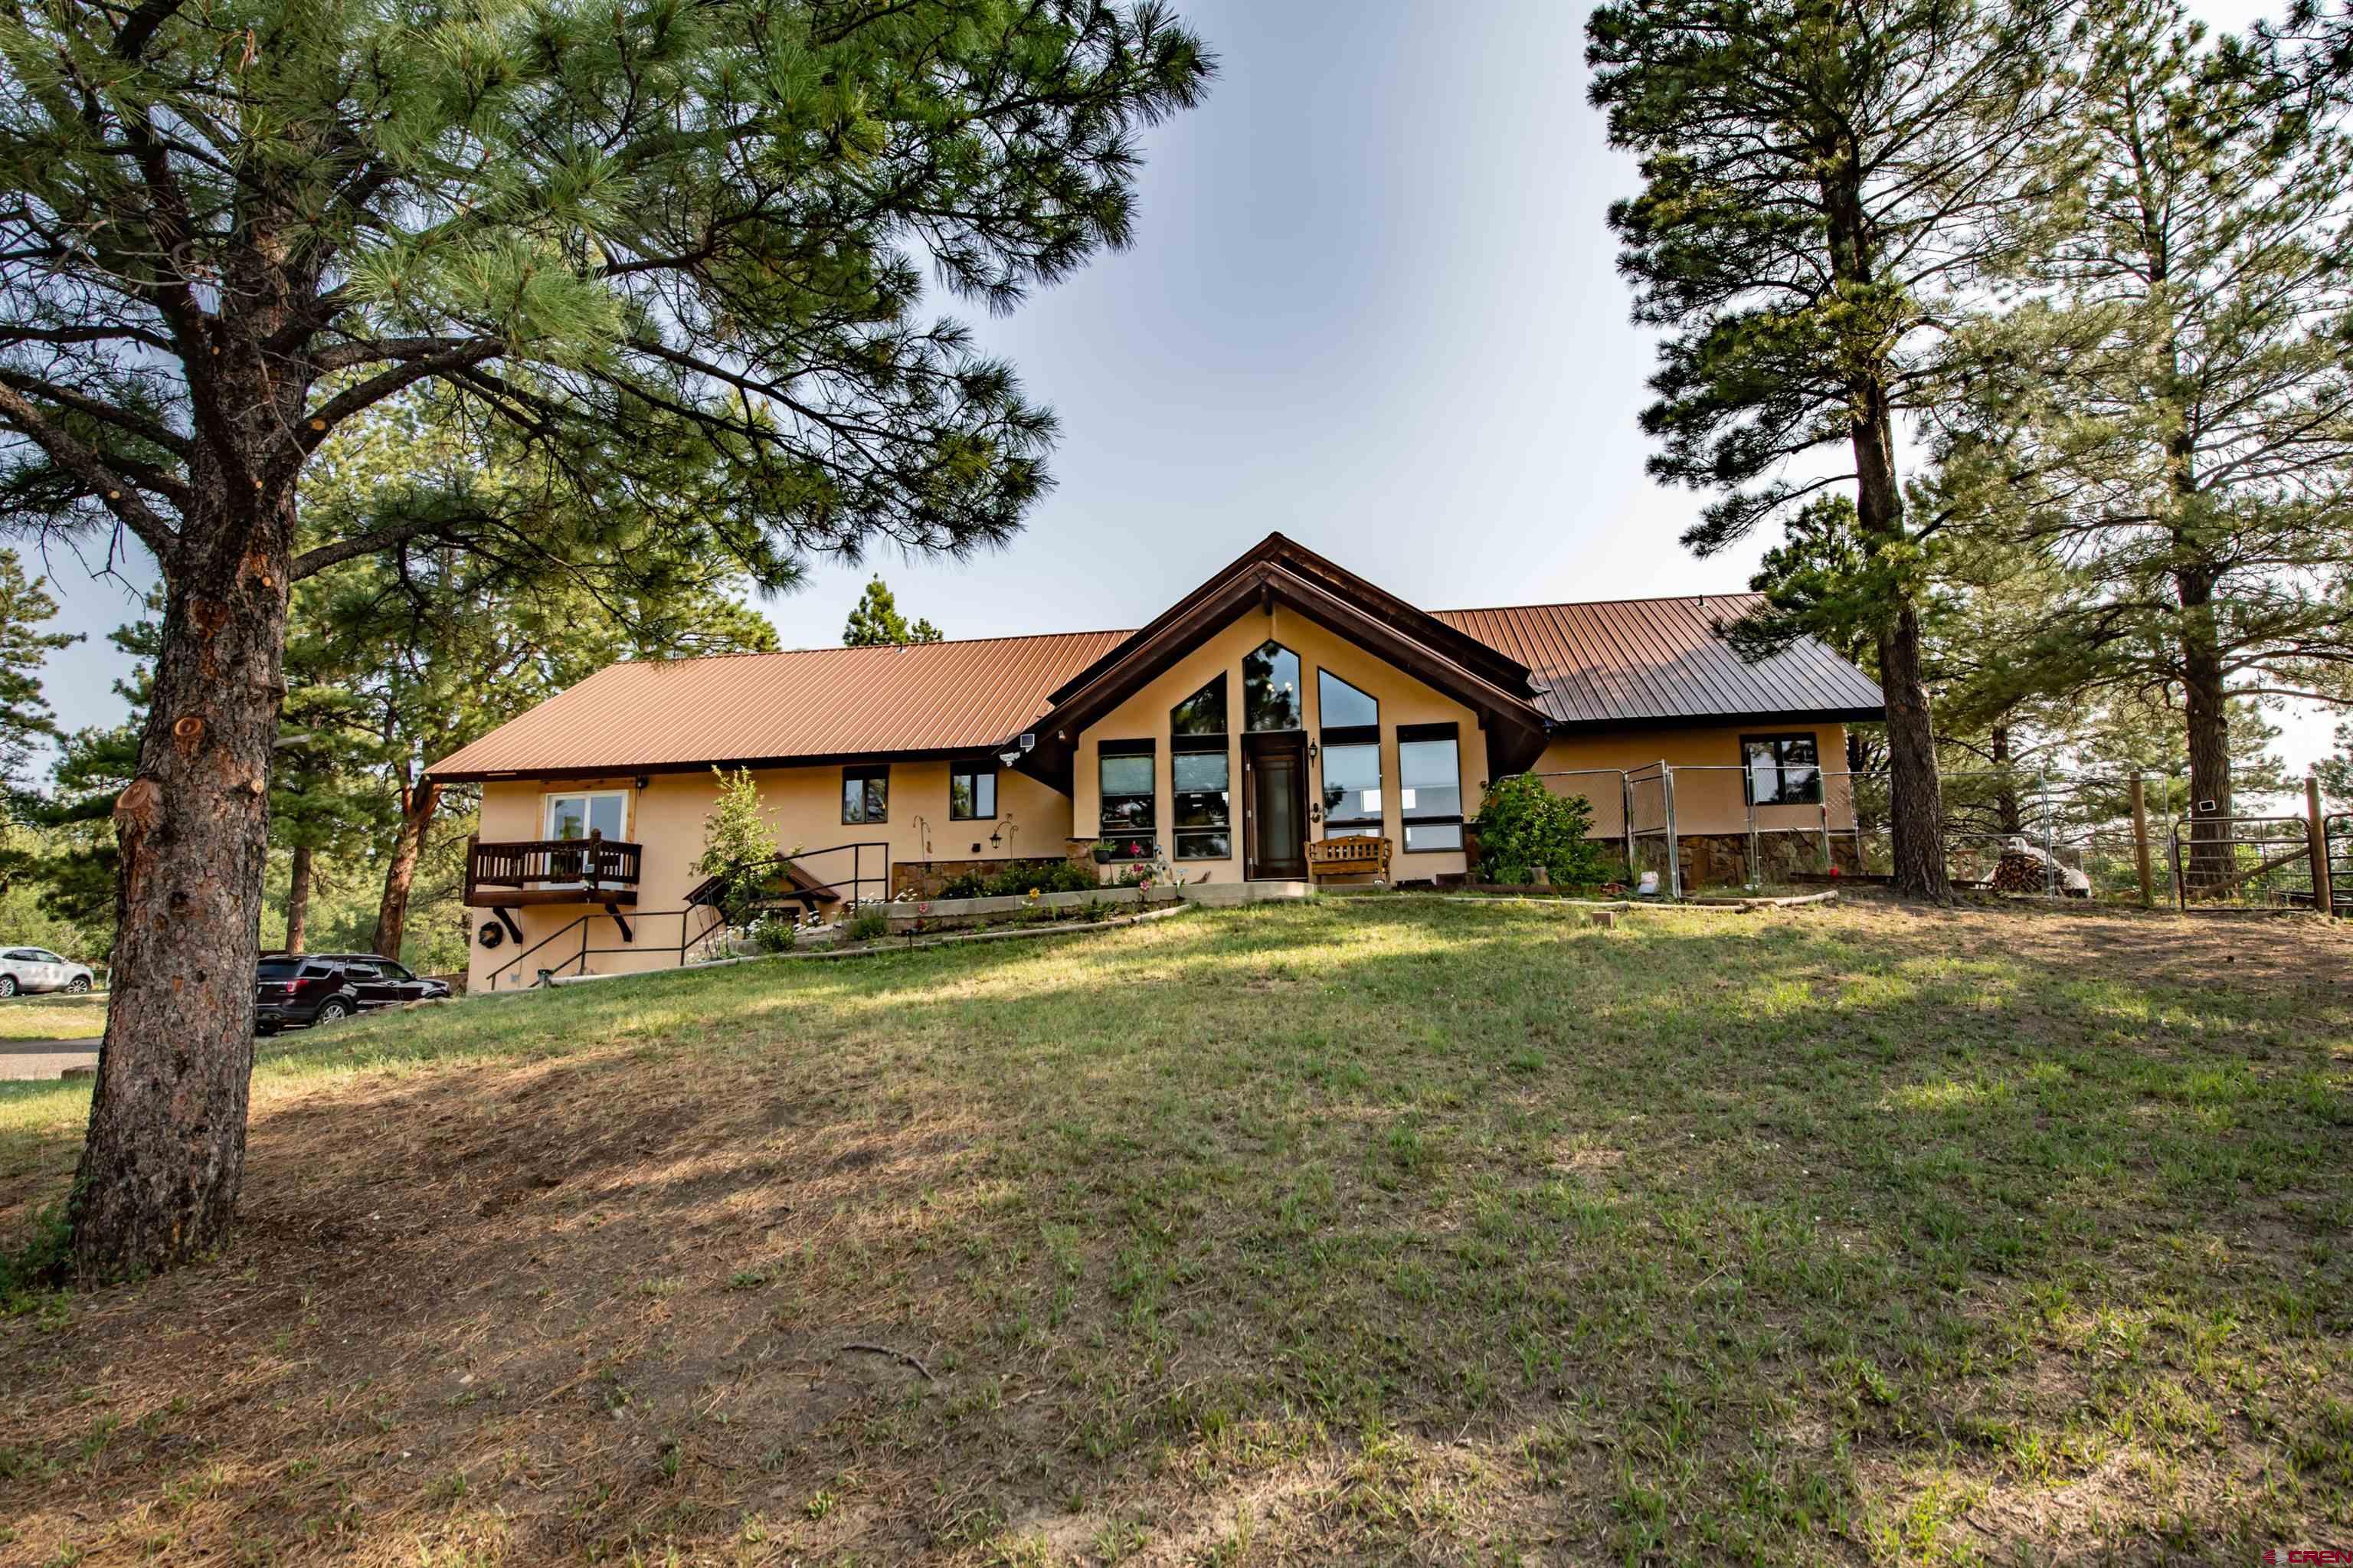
x,y
38,968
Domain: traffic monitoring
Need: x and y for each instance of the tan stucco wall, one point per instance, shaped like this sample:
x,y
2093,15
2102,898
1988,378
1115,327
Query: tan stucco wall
x,y
1708,797
1403,699
667,817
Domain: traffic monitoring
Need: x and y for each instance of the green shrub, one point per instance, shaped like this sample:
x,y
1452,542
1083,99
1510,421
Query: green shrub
x,y
775,934
870,924
1522,825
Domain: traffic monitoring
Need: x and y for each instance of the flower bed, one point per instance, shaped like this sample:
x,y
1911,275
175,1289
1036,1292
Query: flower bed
x,y
951,914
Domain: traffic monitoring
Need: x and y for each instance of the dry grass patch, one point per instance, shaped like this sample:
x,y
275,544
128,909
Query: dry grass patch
x,y
1372,1229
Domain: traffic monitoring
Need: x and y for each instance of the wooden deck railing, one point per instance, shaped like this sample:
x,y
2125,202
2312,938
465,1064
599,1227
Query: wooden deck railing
x,y
593,867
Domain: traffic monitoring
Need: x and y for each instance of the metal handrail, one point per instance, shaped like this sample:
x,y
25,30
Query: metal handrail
x,y
721,917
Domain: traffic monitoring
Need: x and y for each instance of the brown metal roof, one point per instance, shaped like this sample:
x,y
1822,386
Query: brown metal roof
x,y
663,715
1626,661
1637,660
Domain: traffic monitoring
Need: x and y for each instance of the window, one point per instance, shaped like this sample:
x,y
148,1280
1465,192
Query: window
x,y
606,814
1271,689
394,972
1124,775
1430,786
1340,706
1351,758
1352,790
1203,713
1200,777
1783,769
1203,824
972,793
866,793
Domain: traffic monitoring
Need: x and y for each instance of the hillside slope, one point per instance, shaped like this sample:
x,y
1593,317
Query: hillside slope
x,y
1368,1228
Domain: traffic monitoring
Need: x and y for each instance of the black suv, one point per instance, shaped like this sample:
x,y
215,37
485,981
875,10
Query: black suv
x,y
383,983
319,987
302,989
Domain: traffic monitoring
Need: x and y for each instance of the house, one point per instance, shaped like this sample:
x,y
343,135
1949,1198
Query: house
x,y
1284,700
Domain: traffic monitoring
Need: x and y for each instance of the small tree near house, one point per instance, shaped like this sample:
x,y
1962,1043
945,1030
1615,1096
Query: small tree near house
x,y
737,843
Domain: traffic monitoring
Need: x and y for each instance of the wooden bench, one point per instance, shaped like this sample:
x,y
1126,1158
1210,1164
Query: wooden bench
x,y
1348,857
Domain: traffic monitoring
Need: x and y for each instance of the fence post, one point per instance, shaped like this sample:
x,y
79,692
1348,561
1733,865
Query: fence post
x,y
2140,840
1626,818
2315,830
1748,795
1675,856
1829,861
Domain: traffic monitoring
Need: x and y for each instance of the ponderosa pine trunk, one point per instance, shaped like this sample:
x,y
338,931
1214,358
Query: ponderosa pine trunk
x,y
165,1153
1916,813
2006,815
2207,725
417,802
298,898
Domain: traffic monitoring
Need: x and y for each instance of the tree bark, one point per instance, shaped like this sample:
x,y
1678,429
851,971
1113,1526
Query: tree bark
x,y
298,898
2005,791
417,802
165,1153
1916,813
2206,706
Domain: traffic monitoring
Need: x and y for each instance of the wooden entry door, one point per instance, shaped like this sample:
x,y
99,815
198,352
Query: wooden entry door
x,y
1274,806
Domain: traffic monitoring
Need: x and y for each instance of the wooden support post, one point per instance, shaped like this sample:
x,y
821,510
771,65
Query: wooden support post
x,y
2316,829
2140,841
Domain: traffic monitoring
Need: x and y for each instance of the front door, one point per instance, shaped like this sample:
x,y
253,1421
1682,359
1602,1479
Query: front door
x,y
1274,799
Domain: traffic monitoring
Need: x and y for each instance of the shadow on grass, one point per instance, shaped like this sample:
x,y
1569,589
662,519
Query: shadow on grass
x,y
1378,1229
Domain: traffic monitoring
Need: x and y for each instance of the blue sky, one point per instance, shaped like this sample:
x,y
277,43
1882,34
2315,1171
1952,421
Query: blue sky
x,y
1372,303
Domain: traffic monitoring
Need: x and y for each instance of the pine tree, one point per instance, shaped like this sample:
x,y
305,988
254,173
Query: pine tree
x,y
663,245
429,648
875,622
25,713
2168,409
1817,178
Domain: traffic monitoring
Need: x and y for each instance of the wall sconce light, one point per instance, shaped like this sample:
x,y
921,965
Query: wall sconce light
x,y
643,780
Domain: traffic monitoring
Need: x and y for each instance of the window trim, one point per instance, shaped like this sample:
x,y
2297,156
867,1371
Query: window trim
x,y
1407,819
1179,836
1324,672
1780,768
865,772
973,770
547,799
1146,748
1221,682
1350,736
1299,695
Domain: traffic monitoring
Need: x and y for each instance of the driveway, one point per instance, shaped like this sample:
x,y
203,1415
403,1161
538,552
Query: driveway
x,y
45,1058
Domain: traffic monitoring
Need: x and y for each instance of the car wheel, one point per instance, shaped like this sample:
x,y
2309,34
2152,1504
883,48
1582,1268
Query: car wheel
x,y
329,1011
79,985
8,985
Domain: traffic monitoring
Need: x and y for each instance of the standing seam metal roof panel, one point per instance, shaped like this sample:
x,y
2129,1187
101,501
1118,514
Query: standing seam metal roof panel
x,y
1611,662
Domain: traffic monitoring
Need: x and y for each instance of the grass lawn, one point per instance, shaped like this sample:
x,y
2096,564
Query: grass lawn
x,y
1376,1229
57,1017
